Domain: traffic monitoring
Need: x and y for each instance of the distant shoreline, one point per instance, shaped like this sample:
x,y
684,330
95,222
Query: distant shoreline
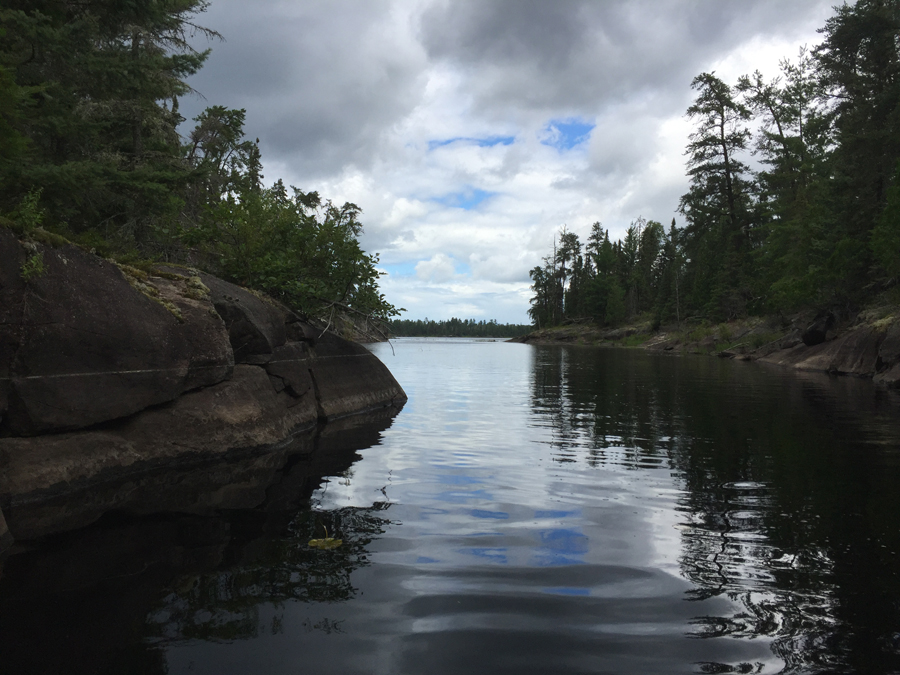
x,y
863,345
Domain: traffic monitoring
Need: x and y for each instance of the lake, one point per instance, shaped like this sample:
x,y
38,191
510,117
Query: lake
x,y
531,509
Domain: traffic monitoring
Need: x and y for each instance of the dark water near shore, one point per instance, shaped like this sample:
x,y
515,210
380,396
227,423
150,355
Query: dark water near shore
x,y
530,510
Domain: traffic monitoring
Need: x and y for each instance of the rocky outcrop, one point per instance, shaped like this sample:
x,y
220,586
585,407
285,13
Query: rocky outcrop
x,y
243,414
868,349
109,372
255,327
583,333
864,345
5,536
818,331
84,343
888,363
346,378
195,455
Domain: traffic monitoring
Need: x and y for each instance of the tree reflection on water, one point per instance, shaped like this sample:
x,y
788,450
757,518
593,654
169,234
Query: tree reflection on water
x,y
789,507
108,598
781,489
223,604
787,596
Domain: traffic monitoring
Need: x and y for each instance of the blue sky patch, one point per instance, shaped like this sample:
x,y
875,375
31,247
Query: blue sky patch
x,y
560,547
463,268
467,199
400,269
494,555
487,142
498,515
564,541
565,134
556,514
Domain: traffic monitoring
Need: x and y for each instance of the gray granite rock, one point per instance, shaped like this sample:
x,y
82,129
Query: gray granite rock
x,y
83,343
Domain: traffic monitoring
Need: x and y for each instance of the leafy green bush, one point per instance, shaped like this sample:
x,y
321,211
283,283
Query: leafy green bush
x,y
33,267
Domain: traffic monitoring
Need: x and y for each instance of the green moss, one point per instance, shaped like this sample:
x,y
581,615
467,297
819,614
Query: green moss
x,y
134,272
171,276
137,278
757,340
885,323
195,283
635,340
11,225
173,310
50,239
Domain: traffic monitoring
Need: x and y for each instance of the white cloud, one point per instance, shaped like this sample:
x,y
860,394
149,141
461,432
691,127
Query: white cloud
x,y
358,100
437,270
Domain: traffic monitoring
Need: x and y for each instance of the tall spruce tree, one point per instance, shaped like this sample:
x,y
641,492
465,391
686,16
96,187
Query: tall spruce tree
x,y
793,144
717,206
605,297
102,80
859,68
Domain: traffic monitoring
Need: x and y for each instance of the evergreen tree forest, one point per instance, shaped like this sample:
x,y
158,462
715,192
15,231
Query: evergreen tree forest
x,y
91,151
815,225
456,328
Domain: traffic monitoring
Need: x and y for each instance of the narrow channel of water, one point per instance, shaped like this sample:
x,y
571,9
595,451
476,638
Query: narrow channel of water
x,y
530,510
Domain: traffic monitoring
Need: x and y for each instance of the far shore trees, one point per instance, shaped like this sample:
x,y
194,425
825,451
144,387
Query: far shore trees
x,y
454,327
817,225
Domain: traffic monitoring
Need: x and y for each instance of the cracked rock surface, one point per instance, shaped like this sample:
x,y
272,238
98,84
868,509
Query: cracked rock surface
x,y
107,372
82,346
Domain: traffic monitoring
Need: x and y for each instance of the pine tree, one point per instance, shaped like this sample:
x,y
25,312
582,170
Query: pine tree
x,y
717,206
103,80
793,145
859,67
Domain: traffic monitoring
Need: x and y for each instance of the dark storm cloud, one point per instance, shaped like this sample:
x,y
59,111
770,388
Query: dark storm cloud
x,y
577,53
320,80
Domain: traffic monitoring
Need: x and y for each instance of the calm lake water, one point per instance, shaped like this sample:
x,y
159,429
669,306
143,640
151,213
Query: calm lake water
x,y
530,510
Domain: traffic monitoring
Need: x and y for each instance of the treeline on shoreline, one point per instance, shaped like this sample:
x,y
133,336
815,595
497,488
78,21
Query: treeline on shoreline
x,y
818,226
456,328
90,152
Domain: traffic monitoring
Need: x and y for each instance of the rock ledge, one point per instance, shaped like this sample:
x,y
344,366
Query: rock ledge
x,y
108,372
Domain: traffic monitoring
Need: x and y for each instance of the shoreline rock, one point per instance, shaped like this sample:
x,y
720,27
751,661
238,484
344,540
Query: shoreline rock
x,y
5,537
111,373
867,350
867,345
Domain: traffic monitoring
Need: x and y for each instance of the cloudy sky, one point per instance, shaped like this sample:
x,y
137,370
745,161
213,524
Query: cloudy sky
x,y
471,131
